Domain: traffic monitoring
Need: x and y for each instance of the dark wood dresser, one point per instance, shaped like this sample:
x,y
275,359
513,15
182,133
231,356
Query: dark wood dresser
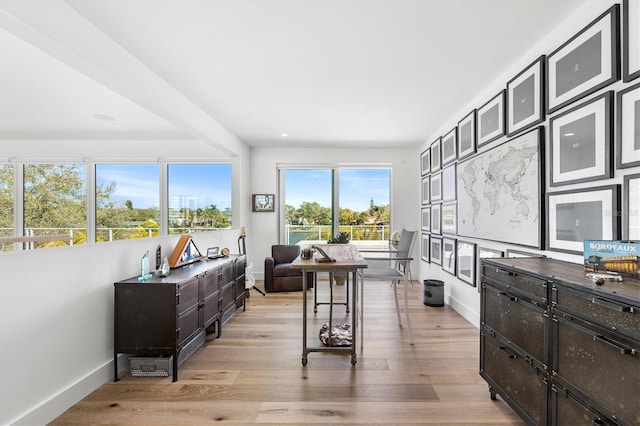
x,y
559,349
170,316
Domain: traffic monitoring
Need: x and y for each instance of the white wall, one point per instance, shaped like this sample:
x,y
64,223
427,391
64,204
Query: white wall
x,y
405,206
462,297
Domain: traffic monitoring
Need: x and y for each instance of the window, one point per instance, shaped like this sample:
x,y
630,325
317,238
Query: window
x,y
7,195
55,204
127,201
311,196
199,197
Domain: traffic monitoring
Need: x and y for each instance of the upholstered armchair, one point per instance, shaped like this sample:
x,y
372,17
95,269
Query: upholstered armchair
x,y
278,275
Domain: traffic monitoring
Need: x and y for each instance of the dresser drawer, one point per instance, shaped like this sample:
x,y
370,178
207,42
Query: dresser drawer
x,y
612,315
187,294
506,313
591,362
521,385
571,408
531,285
187,324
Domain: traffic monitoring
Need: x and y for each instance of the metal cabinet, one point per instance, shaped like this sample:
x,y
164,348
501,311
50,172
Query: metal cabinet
x,y
169,316
558,348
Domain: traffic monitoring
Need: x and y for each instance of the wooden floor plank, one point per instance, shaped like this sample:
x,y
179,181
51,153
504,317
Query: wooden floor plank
x,y
253,373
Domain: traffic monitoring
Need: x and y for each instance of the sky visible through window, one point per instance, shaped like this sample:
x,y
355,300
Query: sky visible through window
x,y
357,187
203,184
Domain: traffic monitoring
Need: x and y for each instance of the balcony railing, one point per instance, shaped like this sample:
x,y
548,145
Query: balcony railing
x,y
359,234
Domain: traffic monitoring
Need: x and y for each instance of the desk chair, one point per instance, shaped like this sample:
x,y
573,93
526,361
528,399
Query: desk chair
x,y
394,266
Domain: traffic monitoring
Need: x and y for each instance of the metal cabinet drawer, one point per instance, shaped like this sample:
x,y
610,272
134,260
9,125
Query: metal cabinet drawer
x,y
520,322
227,273
187,324
571,408
531,285
591,362
210,309
187,294
521,385
612,315
209,283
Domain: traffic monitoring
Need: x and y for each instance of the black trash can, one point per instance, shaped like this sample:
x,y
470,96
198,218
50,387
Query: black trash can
x,y
433,293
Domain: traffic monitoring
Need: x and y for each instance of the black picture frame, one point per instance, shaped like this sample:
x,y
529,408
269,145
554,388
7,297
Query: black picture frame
x,y
478,213
425,162
631,207
436,218
572,73
448,176
436,187
263,202
425,248
483,253
435,252
426,219
491,119
630,40
449,255
449,218
582,214
467,135
525,98
627,133
466,262
581,142
436,155
449,146
425,185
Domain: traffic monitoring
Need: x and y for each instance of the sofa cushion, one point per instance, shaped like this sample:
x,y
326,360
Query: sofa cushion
x,y
284,270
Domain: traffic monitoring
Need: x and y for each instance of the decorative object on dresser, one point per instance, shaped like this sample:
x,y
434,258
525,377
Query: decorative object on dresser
x,y
184,253
557,347
169,316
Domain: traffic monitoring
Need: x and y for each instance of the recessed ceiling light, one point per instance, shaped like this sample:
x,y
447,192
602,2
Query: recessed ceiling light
x,y
103,117
284,135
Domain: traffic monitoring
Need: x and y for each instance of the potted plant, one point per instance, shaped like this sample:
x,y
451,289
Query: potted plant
x,y
340,238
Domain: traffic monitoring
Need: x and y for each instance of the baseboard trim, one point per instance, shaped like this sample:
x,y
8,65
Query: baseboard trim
x,y
469,314
48,410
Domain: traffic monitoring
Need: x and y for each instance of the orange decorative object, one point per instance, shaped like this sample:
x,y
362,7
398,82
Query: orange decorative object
x,y
184,253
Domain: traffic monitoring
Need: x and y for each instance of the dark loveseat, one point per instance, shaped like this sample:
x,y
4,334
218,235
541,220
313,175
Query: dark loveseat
x,y
278,275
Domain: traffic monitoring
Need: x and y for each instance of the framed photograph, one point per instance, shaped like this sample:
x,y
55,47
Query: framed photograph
x,y
466,262
449,147
449,255
436,156
436,218
631,39
425,162
467,135
263,202
449,183
484,253
586,63
522,253
426,245
494,202
426,218
582,214
580,141
436,250
631,208
436,187
628,128
491,119
525,108
449,224
426,190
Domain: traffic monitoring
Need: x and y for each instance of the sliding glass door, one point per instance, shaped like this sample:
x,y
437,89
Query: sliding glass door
x,y
318,203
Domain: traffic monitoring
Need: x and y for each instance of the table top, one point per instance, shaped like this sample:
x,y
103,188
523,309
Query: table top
x,y
347,256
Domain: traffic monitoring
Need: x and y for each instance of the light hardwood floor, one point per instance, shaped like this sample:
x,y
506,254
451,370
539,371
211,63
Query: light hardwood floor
x,y
253,373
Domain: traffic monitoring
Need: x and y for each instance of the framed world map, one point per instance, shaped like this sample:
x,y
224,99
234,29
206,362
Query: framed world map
x,y
500,192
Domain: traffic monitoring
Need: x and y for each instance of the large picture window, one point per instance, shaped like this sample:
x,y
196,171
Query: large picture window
x,y
7,195
127,201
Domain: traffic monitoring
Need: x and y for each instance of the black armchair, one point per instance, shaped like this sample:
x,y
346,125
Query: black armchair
x,y
278,275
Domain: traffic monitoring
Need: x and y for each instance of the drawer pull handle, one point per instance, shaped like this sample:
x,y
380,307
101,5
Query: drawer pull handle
x,y
611,305
508,352
622,349
512,298
502,271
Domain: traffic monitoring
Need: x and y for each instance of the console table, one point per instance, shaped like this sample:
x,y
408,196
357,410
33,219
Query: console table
x,y
169,316
347,259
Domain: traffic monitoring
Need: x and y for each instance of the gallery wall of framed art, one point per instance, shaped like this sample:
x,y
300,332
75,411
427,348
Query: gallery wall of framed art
x,y
550,159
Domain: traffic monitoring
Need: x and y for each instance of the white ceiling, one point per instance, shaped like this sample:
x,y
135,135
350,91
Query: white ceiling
x,y
341,73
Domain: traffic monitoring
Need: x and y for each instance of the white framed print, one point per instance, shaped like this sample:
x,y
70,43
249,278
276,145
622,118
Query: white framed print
x,y
631,207
425,248
628,127
524,98
449,147
467,135
491,120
